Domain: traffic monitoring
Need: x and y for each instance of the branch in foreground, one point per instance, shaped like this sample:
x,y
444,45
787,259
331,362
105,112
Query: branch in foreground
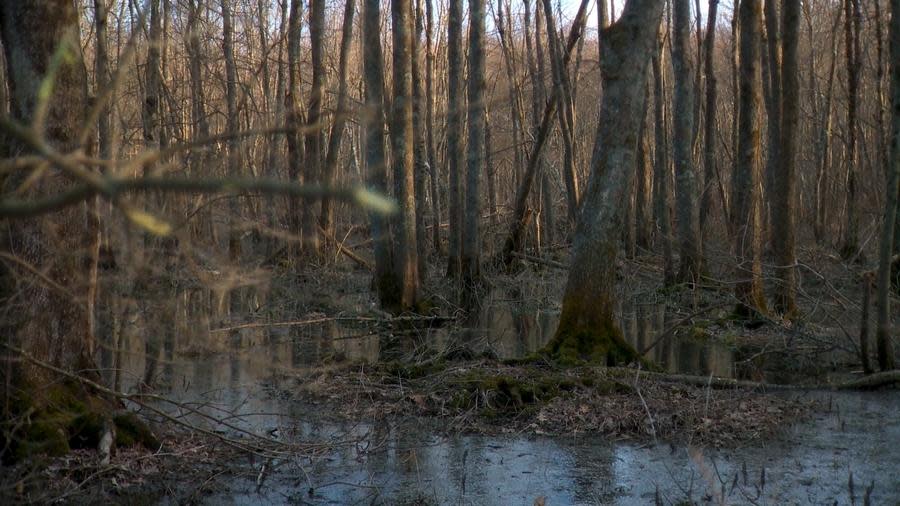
x,y
111,188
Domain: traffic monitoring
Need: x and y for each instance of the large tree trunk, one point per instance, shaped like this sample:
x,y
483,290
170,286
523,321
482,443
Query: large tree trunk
x,y
455,120
783,193
709,131
852,22
587,328
402,153
883,332
314,135
293,120
745,212
471,258
47,317
387,283
686,194
772,96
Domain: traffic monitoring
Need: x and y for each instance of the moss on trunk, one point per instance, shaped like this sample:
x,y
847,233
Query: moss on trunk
x,y
59,417
589,335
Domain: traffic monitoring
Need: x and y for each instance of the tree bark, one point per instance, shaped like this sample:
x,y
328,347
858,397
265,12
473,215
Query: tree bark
x,y
293,121
340,117
588,328
387,282
50,322
314,134
402,154
233,155
852,16
783,195
745,212
471,258
883,330
420,150
686,195
661,165
709,131
429,121
455,121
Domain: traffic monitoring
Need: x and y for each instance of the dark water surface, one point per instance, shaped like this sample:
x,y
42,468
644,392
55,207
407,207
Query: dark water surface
x,y
235,372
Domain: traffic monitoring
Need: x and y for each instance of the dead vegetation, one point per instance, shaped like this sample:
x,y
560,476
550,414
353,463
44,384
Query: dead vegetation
x,y
487,396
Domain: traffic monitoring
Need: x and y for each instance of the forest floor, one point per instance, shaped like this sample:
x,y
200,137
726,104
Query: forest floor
x,y
466,383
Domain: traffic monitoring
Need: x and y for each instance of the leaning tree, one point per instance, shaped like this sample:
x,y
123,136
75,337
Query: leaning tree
x,y
587,328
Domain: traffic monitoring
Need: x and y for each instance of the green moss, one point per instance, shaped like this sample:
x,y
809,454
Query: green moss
x,y
43,437
576,344
53,419
131,430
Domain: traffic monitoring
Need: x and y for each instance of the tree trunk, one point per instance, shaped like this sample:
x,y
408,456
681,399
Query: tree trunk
x,y
455,120
314,135
340,117
852,16
293,121
587,328
745,212
783,195
49,321
387,282
709,132
773,100
883,331
420,150
402,154
686,194
429,125
661,165
233,156
471,258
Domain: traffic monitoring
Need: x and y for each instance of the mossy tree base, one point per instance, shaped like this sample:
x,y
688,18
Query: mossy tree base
x,y
585,337
55,419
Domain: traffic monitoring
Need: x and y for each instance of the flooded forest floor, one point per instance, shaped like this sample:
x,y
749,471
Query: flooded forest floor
x,y
312,395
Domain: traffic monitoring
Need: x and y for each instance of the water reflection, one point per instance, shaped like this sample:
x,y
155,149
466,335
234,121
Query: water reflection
x,y
506,327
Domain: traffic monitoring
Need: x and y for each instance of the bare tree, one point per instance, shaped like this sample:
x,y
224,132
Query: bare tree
x,y
340,116
783,192
883,343
471,258
455,121
661,165
852,21
406,254
709,131
314,134
588,328
745,212
387,282
686,194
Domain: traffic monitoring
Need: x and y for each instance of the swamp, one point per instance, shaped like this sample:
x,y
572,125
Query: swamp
x,y
406,252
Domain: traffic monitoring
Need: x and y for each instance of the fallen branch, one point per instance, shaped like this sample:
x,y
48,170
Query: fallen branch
x,y
540,261
876,380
